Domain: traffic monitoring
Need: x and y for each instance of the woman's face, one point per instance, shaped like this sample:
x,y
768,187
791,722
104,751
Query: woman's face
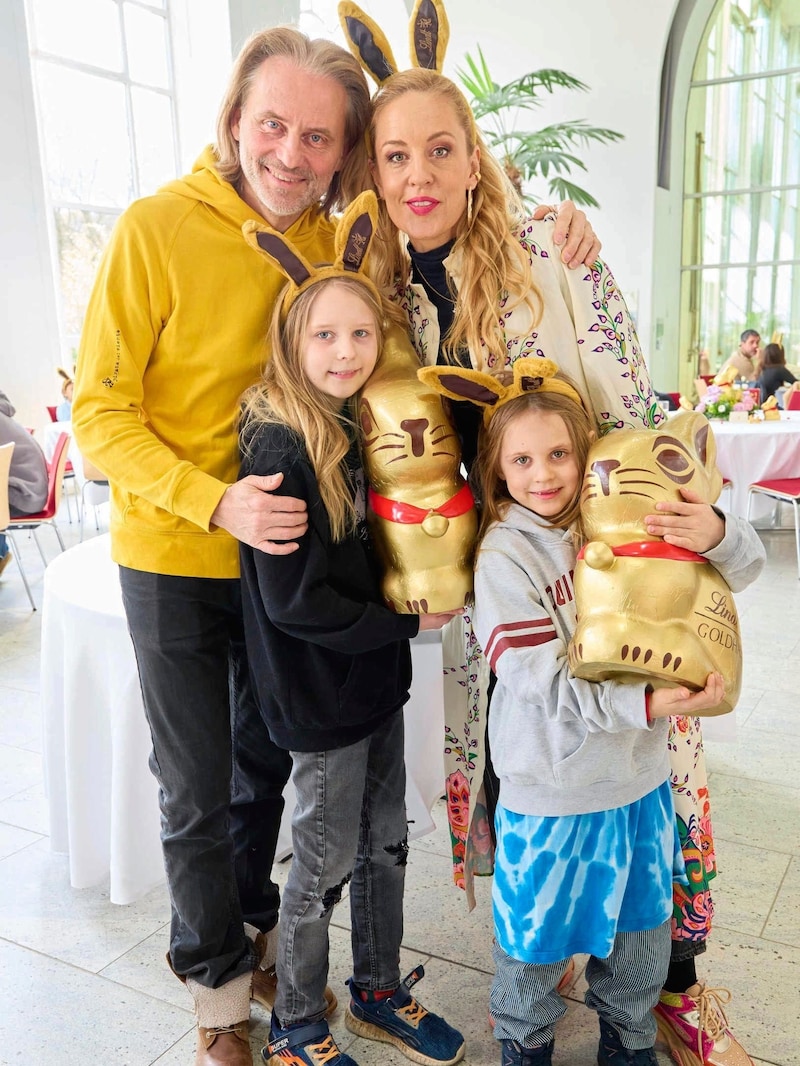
x,y
423,167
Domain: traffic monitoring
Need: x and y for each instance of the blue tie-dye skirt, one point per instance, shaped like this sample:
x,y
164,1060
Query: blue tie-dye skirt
x,y
570,884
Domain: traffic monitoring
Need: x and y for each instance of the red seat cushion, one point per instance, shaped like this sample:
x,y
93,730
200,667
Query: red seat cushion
x,y
786,486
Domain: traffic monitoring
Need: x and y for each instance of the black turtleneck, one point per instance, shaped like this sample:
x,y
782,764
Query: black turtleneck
x,y
428,270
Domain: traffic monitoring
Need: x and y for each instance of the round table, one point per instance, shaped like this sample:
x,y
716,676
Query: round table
x,y
752,451
102,798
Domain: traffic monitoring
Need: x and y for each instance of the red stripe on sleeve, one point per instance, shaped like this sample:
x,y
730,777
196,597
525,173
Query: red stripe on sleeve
x,y
523,640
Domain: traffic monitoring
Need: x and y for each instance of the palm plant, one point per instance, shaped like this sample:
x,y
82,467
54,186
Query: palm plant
x,y
526,154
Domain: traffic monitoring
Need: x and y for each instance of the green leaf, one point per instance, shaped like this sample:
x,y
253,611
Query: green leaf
x,y
548,152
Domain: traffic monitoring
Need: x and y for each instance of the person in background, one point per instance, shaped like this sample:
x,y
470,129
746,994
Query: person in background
x,y
185,300
27,478
744,358
64,408
773,371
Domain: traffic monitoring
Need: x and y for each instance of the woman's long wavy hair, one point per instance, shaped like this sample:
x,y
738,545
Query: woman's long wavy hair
x,y
493,492
774,355
285,396
494,263
316,56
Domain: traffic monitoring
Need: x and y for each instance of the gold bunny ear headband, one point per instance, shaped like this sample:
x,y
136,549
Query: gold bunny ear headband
x,y
429,32
353,237
530,375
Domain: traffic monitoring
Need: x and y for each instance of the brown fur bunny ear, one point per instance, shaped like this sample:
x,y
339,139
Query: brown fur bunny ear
x,y
355,232
461,384
367,42
429,32
280,252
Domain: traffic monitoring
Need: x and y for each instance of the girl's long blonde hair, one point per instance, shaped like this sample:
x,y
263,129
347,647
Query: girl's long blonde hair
x,y
494,263
493,493
285,396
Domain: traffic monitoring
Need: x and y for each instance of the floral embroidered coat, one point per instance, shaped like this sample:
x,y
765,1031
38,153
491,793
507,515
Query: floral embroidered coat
x,y
586,329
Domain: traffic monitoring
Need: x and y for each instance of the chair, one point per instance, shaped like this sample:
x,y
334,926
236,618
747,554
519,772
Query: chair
x,y
6,451
782,490
727,486
45,517
92,476
791,400
69,471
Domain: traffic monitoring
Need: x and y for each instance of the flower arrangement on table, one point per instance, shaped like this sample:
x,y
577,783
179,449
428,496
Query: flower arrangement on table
x,y
723,399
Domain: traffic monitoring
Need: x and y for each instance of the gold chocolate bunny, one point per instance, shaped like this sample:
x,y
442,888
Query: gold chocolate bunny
x,y
421,511
647,609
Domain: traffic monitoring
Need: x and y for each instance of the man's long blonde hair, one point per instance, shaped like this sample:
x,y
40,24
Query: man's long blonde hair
x,y
285,396
494,263
316,56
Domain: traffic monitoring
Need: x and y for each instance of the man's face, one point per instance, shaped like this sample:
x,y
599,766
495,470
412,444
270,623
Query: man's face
x,y
750,346
290,132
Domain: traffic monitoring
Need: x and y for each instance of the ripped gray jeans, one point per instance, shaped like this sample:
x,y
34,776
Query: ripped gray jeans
x,y
349,828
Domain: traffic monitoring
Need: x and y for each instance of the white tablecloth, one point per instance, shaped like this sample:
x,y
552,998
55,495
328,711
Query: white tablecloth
x,y
748,452
102,798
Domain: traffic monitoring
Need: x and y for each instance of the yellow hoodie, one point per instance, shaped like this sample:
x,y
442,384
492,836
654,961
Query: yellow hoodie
x,y
174,333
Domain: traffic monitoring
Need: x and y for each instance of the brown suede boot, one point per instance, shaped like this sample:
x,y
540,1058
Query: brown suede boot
x,y
265,980
229,1046
222,1022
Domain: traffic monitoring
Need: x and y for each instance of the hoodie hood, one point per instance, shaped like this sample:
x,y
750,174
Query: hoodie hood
x,y
519,517
206,186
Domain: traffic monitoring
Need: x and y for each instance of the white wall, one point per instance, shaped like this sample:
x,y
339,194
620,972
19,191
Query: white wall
x,y
616,47
28,323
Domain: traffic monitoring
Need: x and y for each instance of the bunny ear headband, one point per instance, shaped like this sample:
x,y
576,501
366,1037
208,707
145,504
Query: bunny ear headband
x,y
530,375
353,236
428,31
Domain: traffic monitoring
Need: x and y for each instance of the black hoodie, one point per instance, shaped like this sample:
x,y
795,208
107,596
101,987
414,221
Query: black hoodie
x,y
328,661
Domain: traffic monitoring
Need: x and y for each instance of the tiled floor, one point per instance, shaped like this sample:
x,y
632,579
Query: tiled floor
x,y
84,981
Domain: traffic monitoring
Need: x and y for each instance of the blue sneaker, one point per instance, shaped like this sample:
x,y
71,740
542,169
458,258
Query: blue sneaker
x,y
612,1052
514,1054
305,1045
400,1020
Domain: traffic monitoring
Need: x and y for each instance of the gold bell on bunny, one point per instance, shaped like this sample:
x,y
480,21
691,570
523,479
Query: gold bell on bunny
x,y
647,609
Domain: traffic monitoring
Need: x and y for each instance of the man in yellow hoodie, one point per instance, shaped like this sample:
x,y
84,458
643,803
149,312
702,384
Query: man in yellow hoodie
x,y
174,333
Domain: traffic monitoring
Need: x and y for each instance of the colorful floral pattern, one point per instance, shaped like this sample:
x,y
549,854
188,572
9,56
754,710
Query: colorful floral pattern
x,y
692,906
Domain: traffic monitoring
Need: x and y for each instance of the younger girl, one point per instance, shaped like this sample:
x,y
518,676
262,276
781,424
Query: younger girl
x,y
331,668
586,836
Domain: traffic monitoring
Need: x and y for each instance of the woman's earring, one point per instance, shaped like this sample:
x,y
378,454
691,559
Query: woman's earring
x,y
469,198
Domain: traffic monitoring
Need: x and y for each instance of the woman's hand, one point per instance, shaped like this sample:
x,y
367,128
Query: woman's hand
x,y
665,702
436,621
582,246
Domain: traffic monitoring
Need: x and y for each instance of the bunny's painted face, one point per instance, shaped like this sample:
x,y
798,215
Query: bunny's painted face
x,y
341,342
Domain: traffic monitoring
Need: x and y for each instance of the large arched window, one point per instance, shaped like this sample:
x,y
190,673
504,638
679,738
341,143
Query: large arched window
x,y
741,217
106,111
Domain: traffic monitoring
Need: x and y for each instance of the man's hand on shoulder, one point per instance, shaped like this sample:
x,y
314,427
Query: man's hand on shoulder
x,y
251,512
574,231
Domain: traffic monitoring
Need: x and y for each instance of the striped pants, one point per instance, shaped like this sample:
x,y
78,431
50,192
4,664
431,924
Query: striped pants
x,y
622,989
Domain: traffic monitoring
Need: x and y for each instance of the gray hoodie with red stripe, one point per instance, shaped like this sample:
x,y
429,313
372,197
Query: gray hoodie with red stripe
x,y
561,745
